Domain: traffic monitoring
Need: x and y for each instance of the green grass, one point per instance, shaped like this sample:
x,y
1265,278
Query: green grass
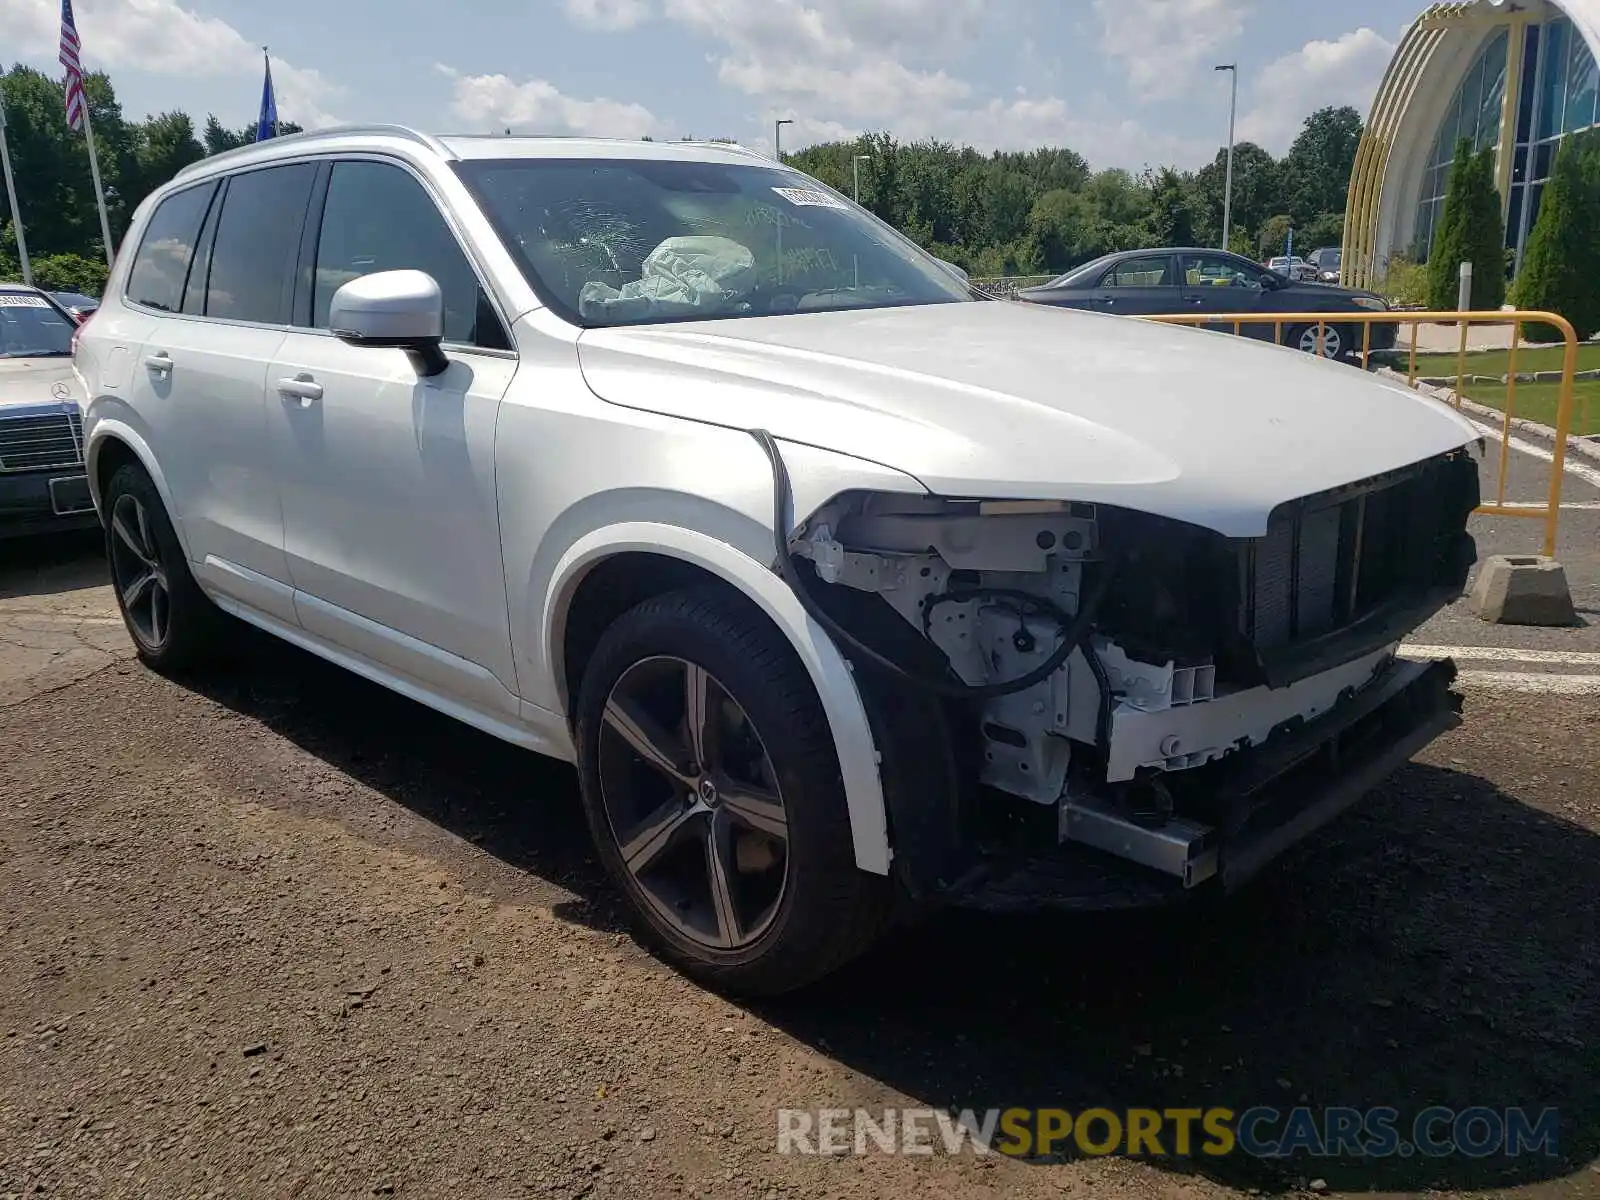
x,y
1535,401
1495,362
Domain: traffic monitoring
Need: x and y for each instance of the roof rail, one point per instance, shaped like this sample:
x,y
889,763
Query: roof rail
x,y
735,147
313,135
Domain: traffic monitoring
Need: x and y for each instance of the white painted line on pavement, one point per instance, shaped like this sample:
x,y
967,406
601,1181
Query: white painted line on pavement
x,y
1533,683
1588,474
1564,658
1576,506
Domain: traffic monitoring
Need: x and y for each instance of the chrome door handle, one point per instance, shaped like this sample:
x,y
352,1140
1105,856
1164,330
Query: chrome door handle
x,y
158,362
302,388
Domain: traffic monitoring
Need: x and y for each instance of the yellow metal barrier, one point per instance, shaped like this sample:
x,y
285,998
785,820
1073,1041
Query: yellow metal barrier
x,y
1550,514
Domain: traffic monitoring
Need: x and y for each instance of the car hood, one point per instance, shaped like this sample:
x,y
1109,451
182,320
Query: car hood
x,y
37,381
1013,401
1318,288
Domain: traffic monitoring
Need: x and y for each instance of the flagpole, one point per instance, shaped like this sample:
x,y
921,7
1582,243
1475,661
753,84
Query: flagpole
x,y
94,170
11,194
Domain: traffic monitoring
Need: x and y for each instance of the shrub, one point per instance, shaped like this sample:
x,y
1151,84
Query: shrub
x,y
1406,282
1561,265
1470,230
70,273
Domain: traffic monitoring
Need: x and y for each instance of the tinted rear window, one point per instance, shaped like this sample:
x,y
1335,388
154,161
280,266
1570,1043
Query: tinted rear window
x,y
156,278
258,244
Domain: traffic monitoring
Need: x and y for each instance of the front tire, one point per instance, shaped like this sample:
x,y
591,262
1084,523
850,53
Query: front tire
x,y
1335,340
173,625
713,792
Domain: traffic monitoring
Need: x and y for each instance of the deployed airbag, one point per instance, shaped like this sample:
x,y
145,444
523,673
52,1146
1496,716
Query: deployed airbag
x,y
683,275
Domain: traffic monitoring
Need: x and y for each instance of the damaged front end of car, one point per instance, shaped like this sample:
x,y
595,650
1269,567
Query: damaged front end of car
x,y
1078,703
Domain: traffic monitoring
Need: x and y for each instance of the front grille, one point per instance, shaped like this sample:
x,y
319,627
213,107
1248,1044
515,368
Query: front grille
x,y
41,441
1345,559
1294,574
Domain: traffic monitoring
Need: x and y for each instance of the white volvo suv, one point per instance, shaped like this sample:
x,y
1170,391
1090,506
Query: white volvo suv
x,y
849,592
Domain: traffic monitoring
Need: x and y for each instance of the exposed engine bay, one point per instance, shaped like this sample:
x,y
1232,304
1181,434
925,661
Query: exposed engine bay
x,y
1181,653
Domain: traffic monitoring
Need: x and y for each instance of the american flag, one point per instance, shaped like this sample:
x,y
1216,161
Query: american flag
x,y
76,104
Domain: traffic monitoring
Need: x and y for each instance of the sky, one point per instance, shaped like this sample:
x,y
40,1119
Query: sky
x,y
1126,83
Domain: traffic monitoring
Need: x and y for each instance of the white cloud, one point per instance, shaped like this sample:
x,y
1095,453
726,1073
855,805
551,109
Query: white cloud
x,y
538,106
164,38
865,91
857,59
1026,122
1345,71
842,67
608,14
1163,45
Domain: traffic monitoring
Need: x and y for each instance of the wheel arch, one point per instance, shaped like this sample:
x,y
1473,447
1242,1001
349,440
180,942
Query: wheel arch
x,y
664,557
114,443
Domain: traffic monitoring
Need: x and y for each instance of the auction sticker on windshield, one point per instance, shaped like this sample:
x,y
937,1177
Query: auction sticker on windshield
x,y
810,198
17,300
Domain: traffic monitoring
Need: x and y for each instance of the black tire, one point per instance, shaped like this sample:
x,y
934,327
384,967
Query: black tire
x,y
827,910
1338,336
184,630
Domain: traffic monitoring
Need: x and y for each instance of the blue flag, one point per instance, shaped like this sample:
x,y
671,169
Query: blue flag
x,y
267,122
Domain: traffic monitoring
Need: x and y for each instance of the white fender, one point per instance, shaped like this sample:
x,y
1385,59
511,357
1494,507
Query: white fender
x,y
110,428
830,674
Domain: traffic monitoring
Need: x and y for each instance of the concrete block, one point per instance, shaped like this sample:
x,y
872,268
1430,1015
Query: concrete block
x,y
1523,589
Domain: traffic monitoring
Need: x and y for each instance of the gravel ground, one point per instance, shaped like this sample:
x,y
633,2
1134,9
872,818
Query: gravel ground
x,y
280,933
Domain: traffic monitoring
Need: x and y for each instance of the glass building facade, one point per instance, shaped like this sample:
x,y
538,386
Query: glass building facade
x,y
1557,98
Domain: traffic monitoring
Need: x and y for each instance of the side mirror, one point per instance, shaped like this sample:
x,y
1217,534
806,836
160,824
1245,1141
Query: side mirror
x,y
955,270
397,309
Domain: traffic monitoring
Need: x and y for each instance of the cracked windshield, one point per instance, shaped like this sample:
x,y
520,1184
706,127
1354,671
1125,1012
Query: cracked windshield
x,y
634,242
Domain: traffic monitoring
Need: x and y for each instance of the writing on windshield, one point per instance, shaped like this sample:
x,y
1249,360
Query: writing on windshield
x,y
31,327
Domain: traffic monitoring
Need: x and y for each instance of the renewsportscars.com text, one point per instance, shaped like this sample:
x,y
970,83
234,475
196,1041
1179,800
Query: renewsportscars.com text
x,y
1261,1132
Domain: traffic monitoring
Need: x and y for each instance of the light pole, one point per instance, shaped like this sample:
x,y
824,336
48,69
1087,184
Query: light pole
x,y
11,195
1227,188
777,147
856,167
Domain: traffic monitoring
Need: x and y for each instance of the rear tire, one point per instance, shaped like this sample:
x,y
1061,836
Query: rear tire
x,y
738,868
174,626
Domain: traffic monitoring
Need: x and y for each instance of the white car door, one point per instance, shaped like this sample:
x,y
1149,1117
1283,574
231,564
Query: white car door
x,y
391,528
199,380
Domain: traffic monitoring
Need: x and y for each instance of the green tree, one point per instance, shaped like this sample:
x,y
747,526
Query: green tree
x,y
1171,213
1326,230
70,273
1257,193
51,164
55,190
1274,237
1066,228
1121,202
1469,230
1316,171
1561,264
217,137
